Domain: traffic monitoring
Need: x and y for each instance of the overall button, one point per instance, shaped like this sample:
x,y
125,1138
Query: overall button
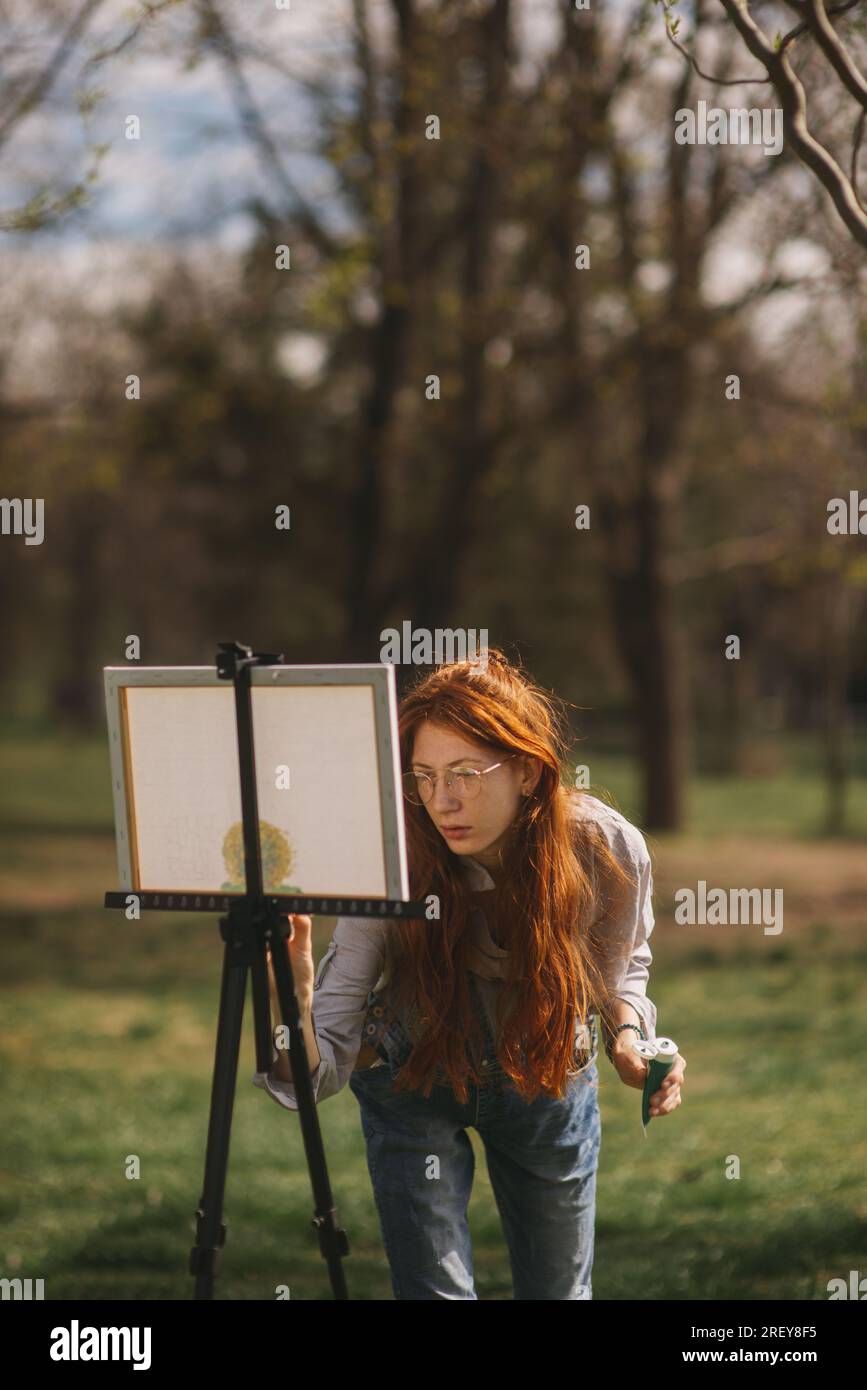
x,y
371,1028
377,1013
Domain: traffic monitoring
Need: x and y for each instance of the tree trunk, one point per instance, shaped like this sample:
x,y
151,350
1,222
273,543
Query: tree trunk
x,y
838,751
76,690
647,632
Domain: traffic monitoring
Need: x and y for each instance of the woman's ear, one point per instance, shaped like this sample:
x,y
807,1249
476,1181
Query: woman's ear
x,y
532,773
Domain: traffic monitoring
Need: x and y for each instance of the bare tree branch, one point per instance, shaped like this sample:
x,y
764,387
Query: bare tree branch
x,y
708,76
794,103
823,32
368,110
151,9
753,295
42,84
791,94
216,33
856,150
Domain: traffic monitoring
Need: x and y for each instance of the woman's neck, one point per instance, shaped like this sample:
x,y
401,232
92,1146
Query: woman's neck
x,y
492,865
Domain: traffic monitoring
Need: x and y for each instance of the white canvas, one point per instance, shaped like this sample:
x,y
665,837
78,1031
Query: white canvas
x,y
321,835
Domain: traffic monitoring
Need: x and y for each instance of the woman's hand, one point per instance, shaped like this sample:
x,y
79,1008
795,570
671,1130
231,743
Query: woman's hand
x,y
299,946
633,1070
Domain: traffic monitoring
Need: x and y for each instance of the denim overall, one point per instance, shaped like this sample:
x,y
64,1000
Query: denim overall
x,y
541,1157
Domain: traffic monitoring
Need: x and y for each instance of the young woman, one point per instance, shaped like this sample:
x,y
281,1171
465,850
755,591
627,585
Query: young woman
x,y
486,1015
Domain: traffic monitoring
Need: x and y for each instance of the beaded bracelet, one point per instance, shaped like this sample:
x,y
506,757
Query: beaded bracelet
x,y
610,1043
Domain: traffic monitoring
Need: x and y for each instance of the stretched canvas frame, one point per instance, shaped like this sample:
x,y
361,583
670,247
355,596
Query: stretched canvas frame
x,y
327,774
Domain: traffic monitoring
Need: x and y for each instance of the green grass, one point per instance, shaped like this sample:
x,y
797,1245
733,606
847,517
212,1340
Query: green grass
x,y
106,1050
107,1053
790,801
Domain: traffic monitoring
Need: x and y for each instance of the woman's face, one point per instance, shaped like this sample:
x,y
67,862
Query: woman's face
x,y
477,825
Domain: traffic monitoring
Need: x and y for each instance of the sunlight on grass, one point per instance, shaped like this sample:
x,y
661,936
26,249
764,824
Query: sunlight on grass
x,y
108,1040
94,1075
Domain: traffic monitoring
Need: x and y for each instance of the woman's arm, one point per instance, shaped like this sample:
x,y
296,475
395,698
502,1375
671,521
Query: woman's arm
x,y
619,1011
621,932
634,924
638,925
282,1068
333,1012
631,1003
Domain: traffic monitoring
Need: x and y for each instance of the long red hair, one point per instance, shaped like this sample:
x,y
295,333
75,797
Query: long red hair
x,y
560,881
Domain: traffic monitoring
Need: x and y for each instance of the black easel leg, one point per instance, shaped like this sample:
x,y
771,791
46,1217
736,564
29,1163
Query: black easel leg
x,y
333,1240
210,1227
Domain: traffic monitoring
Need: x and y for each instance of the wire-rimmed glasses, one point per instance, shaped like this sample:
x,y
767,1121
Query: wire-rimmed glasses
x,y
465,782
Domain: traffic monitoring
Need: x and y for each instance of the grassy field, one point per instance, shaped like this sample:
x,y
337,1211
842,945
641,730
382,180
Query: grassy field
x,y
107,1050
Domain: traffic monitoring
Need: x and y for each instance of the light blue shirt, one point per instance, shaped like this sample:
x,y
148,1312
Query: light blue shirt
x,y
353,964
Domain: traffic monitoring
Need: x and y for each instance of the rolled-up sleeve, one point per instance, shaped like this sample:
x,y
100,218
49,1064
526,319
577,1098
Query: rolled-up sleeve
x,y
627,922
633,986
347,973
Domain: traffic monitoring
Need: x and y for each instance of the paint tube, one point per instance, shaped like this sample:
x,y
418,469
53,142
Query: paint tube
x,y
660,1054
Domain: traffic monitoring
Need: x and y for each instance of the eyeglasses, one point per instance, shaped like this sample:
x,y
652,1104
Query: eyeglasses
x,y
465,782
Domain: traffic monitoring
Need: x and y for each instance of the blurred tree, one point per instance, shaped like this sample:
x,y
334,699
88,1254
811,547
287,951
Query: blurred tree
x,y
629,382
32,82
455,264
